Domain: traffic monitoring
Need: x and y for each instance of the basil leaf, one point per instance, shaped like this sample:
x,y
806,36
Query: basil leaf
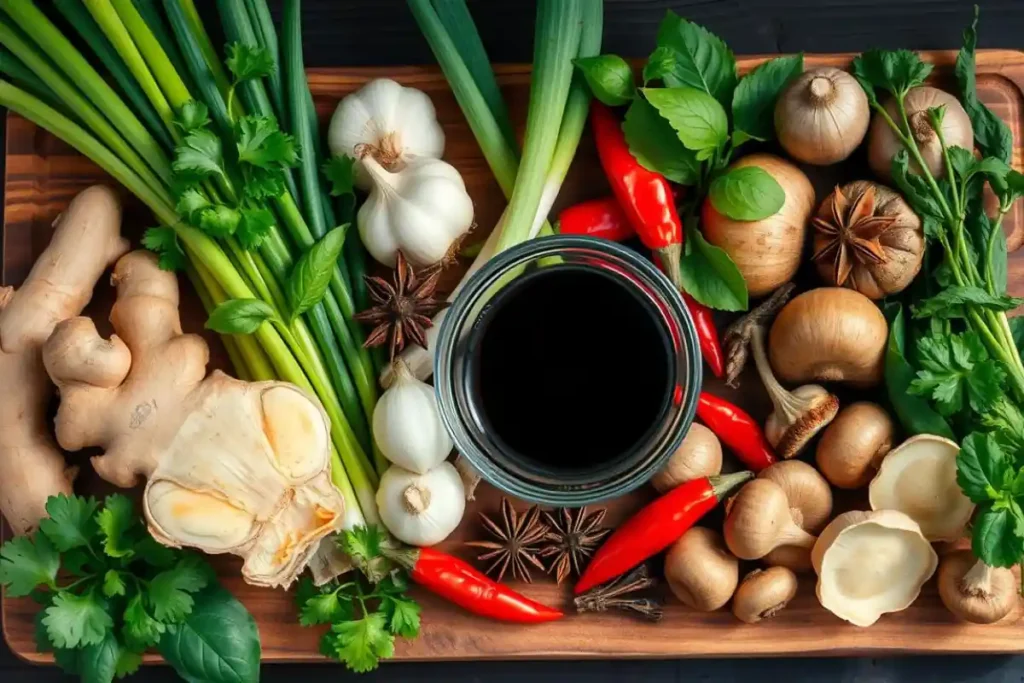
x,y
702,59
655,146
698,119
982,468
995,540
753,103
952,302
661,62
610,78
218,642
747,193
240,316
98,663
991,134
710,276
915,414
308,281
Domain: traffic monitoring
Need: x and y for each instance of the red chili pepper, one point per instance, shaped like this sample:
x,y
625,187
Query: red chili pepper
x,y
601,218
737,430
458,582
707,335
644,195
656,526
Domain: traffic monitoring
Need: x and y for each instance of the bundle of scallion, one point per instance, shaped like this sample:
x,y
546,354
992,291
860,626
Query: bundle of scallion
x,y
228,162
559,99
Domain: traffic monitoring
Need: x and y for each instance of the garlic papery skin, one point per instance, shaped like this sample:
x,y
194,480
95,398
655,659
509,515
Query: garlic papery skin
x,y
422,210
387,121
421,509
407,424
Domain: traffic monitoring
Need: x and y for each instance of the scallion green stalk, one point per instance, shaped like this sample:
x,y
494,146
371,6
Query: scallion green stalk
x,y
159,63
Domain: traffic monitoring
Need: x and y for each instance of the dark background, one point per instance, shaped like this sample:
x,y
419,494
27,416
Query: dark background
x,y
382,32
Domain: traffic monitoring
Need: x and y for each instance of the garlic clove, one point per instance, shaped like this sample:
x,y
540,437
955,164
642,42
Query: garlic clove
x,y
421,509
407,424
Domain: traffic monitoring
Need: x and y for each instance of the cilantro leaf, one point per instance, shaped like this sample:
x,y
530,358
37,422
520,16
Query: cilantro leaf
x,y
753,104
193,115
113,584
701,59
70,522
261,143
261,183
983,470
218,220
140,630
896,71
246,62
953,302
1006,421
362,644
169,591
27,562
403,615
655,145
992,135
362,543
253,227
199,156
154,554
190,202
340,170
116,520
76,620
164,242
326,608
995,539
957,371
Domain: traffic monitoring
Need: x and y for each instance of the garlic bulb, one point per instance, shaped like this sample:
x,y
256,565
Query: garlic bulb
x,y
407,426
422,210
421,509
386,121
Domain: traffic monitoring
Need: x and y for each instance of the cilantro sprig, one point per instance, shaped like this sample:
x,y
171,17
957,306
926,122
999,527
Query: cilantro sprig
x,y
365,613
108,591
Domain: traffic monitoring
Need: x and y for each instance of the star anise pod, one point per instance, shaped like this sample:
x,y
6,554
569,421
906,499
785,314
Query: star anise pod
x,y
402,311
572,539
516,542
850,232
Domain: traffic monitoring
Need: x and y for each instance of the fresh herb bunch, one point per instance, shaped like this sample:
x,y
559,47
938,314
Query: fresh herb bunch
x,y
365,613
121,593
954,368
688,131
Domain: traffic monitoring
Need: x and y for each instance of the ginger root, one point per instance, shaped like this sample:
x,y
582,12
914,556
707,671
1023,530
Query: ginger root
x,y
231,467
86,242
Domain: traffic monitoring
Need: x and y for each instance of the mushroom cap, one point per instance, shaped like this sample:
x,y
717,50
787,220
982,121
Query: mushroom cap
x,y
700,571
975,608
789,439
919,479
853,446
809,495
763,594
699,455
870,564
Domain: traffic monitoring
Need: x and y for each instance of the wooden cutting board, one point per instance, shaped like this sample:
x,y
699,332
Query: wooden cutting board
x,y
42,174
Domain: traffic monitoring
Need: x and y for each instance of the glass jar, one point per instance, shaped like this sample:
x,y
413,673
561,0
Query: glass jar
x,y
530,480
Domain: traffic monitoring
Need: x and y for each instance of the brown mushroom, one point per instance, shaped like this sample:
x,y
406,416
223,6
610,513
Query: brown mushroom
x,y
700,571
852,447
763,594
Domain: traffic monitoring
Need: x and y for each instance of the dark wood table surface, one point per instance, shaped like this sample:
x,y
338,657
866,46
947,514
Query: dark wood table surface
x,y
381,32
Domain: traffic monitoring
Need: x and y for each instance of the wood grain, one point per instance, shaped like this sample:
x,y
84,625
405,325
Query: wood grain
x,y
43,174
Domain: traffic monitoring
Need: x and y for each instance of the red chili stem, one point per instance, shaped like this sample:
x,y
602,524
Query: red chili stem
x,y
737,430
656,526
459,583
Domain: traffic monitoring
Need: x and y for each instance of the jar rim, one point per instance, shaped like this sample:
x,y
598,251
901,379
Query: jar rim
x,y
570,491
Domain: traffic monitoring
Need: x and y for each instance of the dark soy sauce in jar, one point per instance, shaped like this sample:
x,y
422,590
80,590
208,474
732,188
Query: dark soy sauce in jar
x,y
572,368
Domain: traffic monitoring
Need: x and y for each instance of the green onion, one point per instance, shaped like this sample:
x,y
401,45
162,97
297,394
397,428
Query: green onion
x,y
203,73
263,25
202,38
235,19
155,21
161,66
27,80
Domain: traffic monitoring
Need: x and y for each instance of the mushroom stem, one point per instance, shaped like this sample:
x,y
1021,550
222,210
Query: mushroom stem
x,y
794,535
783,400
737,336
977,582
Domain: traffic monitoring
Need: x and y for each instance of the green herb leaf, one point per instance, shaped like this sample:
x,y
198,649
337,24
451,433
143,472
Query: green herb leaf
x,y
240,316
699,120
701,59
655,145
983,470
193,115
154,554
140,629
995,539
326,608
115,521
199,156
747,193
254,227
190,203
261,143
340,170
246,62
70,522
916,191
710,276
980,228
753,104
610,78
113,584
953,302
966,166
128,662
1006,421
219,221
164,242
362,644
27,562
402,614
169,592
661,63
76,620
992,136
311,276
1011,189
97,663
915,414
896,71
956,372
218,642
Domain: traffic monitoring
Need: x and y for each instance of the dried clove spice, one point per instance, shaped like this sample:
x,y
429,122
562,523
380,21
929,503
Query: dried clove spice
x,y
738,335
618,594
